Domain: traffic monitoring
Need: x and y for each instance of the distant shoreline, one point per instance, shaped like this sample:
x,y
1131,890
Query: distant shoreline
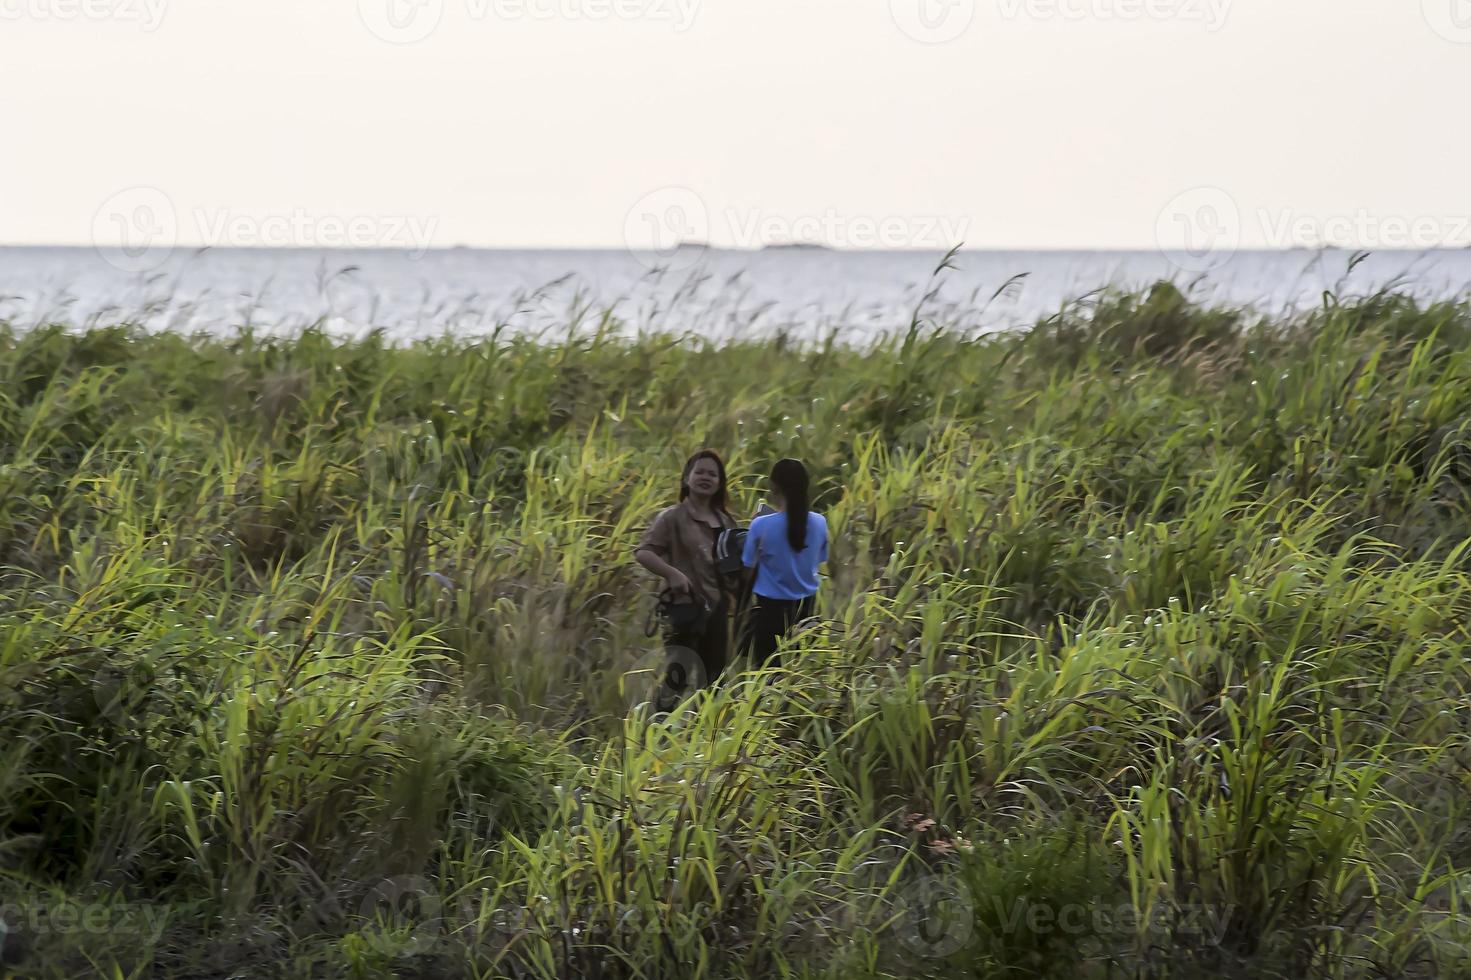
x,y
735,250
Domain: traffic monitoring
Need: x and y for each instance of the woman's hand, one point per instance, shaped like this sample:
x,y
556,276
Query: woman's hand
x,y
679,582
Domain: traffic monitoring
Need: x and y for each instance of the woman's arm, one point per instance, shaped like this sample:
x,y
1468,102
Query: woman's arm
x,y
750,554
678,581
652,548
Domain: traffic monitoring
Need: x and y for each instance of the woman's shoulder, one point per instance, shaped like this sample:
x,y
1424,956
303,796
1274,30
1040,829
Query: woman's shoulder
x,y
667,513
762,520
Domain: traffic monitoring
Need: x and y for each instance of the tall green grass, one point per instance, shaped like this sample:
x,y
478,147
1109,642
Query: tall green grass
x,y
1142,653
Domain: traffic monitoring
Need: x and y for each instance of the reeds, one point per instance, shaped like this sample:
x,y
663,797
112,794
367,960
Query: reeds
x,y
1142,653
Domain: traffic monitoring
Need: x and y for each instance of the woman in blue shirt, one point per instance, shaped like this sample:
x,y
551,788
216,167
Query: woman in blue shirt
x,y
782,552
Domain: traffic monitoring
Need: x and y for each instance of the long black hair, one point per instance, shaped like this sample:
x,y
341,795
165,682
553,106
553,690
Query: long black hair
x,y
790,479
718,501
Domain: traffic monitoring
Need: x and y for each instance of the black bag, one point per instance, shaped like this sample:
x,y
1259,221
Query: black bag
x,y
682,615
729,544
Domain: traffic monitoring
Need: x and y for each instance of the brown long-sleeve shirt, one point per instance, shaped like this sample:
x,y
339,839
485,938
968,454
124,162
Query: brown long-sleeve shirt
x,y
688,543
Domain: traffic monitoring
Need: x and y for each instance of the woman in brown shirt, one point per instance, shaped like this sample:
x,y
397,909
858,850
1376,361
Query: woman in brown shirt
x,y
679,546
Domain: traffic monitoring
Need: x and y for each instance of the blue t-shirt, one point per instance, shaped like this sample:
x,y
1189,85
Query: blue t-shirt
x,y
780,573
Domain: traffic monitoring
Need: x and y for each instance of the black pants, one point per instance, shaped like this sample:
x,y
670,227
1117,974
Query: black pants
x,y
767,622
711,648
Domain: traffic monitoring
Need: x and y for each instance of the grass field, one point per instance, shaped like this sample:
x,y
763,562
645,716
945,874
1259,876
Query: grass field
x,y
1142,653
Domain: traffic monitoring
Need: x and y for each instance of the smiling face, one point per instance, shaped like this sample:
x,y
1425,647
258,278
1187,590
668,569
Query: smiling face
x,y
704,478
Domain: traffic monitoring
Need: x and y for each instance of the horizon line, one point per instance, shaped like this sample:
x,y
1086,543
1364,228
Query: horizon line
x,y
773,247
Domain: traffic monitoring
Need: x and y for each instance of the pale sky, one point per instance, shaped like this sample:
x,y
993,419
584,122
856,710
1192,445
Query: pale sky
x,y
859,123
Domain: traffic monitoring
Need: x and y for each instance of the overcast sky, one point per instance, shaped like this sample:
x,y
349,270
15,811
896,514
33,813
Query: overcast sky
x,y
857,123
